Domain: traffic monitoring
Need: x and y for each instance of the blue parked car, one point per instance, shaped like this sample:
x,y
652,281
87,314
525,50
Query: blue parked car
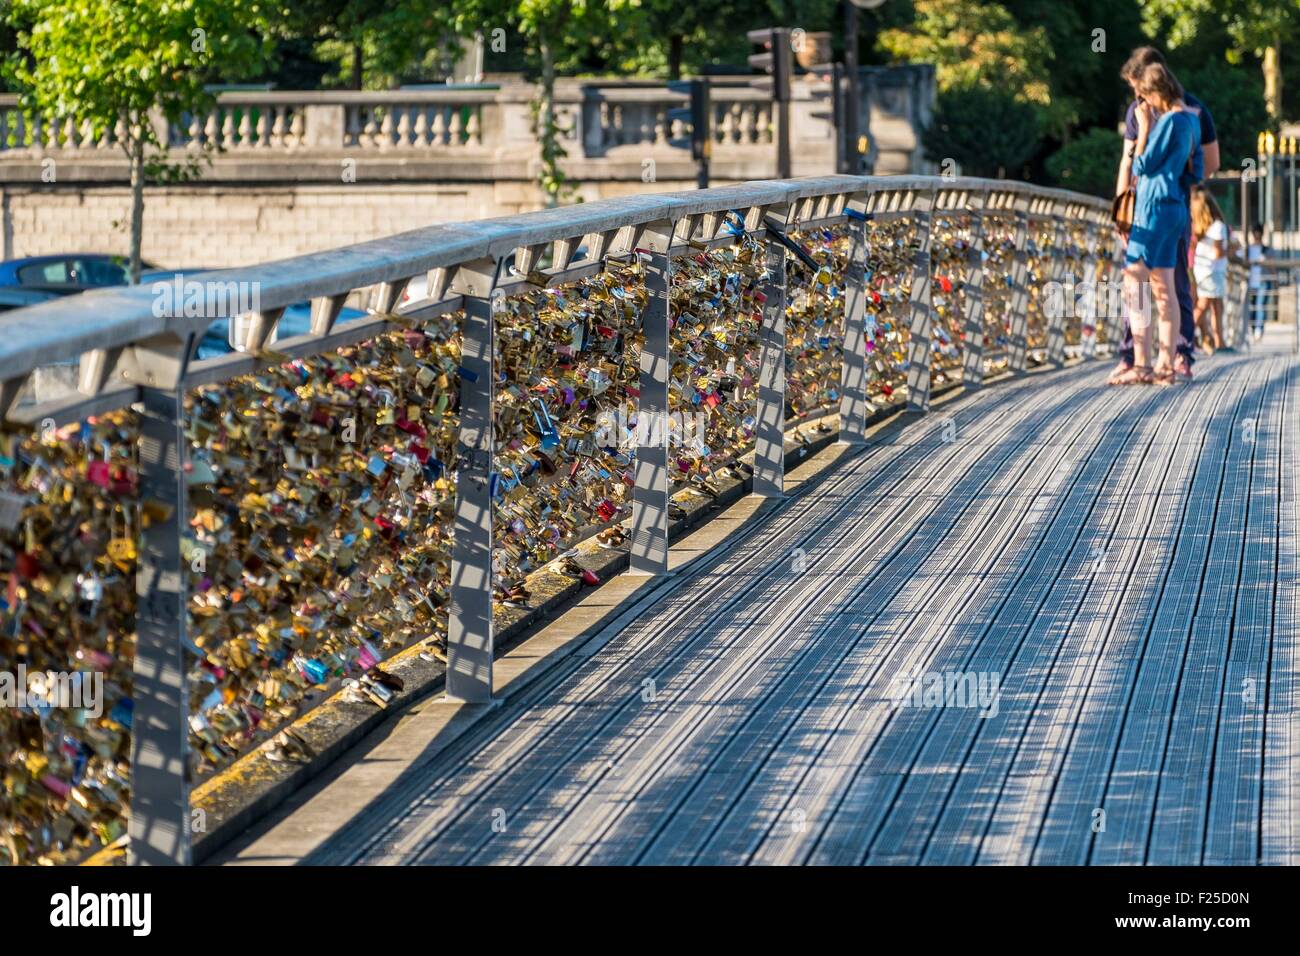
x,y
66,274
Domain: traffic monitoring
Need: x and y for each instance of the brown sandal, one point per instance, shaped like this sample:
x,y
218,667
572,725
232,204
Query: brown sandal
x,y
1137,375
1165,376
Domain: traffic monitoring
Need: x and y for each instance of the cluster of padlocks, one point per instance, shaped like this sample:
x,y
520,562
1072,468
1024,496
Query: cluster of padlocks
x,y
814,328
567,360
320,495
69,529
321,490
892,250
953,262
1000,292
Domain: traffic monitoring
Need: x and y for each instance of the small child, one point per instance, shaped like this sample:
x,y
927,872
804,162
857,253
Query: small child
x,y
1258,291
1209,267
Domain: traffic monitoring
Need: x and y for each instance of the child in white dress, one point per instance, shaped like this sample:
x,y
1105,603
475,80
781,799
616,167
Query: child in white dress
x,y
1209,267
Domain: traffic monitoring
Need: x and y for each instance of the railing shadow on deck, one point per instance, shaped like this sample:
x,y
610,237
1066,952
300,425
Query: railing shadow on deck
x,y
739,708
914,452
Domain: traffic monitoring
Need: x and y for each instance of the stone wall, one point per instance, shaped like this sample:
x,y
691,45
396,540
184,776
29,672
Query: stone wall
x,y
191,226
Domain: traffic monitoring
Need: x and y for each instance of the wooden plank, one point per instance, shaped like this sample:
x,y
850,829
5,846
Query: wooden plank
x,y
1232,825
1127,770
782,745
1280,800
1100,632
1028,631
1081,787
1182,792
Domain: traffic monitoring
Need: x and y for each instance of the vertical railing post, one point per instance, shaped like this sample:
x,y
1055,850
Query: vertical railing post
x,y
1056,318
973,299
1115,273
769,436
1018,346
920,323
853,375
1295,311
1245,316
1229,305
159,825
470,626
1088,340
649,544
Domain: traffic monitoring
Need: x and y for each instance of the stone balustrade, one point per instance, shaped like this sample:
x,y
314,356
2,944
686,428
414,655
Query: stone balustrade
x,y
599,121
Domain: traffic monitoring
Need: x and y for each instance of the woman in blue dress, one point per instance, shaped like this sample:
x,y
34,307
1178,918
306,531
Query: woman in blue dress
x,y
1166,167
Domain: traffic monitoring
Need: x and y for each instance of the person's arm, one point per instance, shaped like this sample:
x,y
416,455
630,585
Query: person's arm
x,y
1220,240
1209,143
1125,168
1125,177
1142,160
1210,157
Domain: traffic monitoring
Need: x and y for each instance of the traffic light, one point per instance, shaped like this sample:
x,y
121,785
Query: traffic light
x,y
776,61
830,90
694,114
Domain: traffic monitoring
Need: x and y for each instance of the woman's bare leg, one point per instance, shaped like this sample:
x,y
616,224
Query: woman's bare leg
x,y
1217,309
1139,312
1166,307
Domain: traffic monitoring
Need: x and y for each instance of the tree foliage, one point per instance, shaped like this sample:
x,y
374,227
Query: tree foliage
x,y
1260,29
1060,59
988,132
120,66
1087,163
369,43
974,44
1235,98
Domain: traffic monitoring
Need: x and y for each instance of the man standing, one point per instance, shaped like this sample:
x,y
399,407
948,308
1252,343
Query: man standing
x,y
1141,58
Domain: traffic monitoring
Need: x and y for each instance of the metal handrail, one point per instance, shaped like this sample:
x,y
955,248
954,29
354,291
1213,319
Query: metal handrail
x,y
125,318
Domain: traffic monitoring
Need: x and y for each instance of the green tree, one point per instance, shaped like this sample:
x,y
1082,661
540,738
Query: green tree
x,y
1090,40
1235,98
1087,163
372,42
553,32
988,132
1254,27
679,36
129,68
975,44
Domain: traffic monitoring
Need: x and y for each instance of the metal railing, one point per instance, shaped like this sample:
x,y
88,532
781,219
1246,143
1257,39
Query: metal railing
x,y
1253,303
128,352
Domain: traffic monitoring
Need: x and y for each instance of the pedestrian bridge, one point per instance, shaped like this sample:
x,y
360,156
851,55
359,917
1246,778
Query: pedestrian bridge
x,y
921,589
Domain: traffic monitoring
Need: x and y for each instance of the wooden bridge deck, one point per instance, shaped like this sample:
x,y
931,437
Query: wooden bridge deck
x,y
1119,565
